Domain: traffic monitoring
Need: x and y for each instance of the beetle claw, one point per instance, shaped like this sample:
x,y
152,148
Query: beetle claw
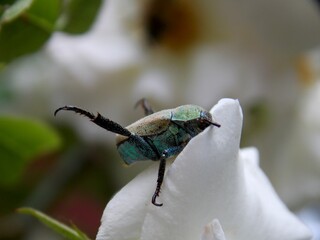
x,y
76,110
154,199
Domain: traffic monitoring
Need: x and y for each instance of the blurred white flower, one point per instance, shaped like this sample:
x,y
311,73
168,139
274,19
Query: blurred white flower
x,y
176,51
211,191
297,175
310,215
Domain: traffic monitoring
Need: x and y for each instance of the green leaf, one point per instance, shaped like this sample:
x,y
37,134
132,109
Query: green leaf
x,y
79,15
22,140
15,10
25,26
64,230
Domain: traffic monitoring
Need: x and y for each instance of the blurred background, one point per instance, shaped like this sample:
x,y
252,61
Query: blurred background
x,y
106,55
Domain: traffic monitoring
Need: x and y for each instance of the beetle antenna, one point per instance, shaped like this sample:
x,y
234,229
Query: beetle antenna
x,y
215,124
99,120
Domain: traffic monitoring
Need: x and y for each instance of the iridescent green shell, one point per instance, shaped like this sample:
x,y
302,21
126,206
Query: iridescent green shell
x,y
164,129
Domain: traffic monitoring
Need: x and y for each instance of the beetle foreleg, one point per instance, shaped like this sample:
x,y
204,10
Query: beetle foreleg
x,y
145,105
99,120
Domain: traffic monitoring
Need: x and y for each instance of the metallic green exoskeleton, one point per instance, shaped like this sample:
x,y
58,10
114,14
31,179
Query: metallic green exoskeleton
x,y
158,136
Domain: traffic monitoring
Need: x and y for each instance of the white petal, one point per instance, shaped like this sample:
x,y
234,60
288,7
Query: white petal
x,y
208,180
107,47
125,213
87,57
213,231
123,217
199,179
264,206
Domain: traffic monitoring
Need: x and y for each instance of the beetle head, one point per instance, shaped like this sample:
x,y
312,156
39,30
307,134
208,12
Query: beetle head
x,y
206,120
201,123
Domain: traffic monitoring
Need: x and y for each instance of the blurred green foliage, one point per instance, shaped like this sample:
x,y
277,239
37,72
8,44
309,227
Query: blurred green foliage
x,y
26,25
79,15
21,140
29,173
64,230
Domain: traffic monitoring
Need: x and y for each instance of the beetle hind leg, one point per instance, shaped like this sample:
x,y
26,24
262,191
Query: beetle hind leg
x,y
76,110
98,119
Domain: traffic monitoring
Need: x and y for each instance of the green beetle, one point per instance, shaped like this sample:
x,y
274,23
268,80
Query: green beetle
x,y
157,136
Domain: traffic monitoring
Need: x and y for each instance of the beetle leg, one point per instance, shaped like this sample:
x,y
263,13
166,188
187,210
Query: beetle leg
x,y
99,120
145,105
161,171
162,167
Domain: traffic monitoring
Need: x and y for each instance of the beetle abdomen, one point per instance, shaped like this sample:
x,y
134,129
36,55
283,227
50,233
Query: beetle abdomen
x,y
172,137
129,152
